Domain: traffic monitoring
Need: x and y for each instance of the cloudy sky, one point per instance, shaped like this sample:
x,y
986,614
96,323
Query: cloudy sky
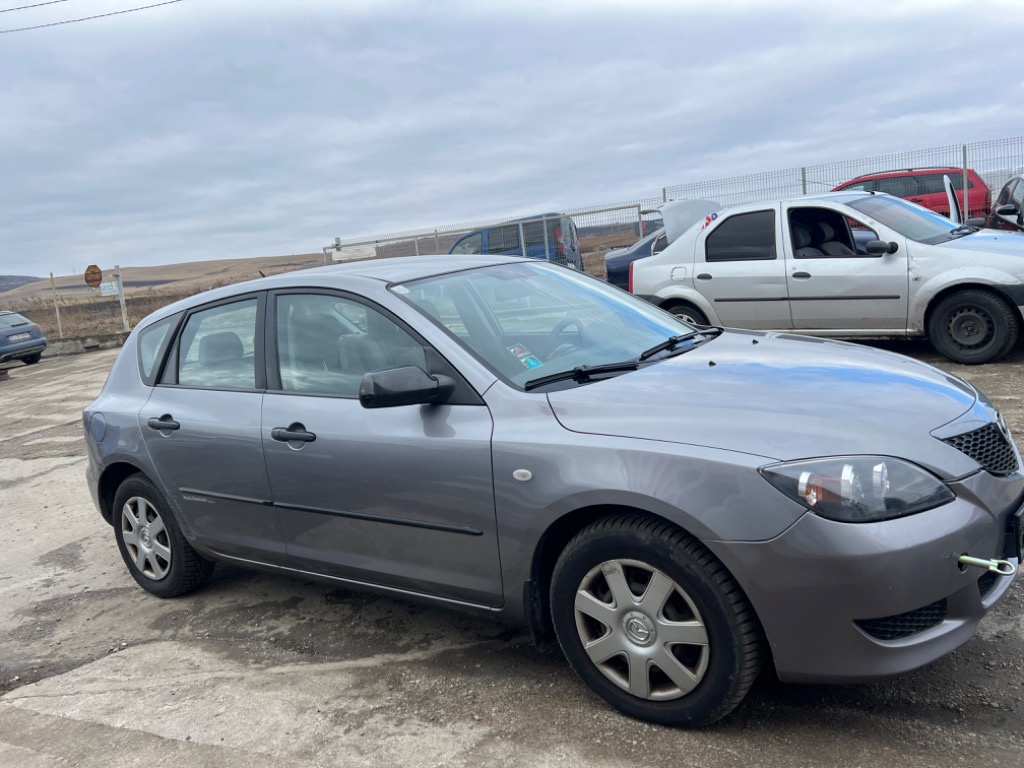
x,y
210,129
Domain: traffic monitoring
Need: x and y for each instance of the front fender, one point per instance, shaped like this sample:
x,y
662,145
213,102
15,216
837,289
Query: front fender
x,y
1004,283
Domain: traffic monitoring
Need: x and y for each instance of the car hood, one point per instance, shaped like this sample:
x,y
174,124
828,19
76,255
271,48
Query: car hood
x,y
780,396
988,241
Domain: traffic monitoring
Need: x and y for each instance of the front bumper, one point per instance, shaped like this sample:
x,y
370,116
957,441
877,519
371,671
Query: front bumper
x,y
836,600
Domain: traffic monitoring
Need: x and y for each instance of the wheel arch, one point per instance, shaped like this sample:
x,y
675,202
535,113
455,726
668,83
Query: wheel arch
x,y
110,480
552,543
938,294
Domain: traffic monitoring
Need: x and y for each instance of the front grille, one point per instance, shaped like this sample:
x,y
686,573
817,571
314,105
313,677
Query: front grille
x,y
989,447
987,581
905,624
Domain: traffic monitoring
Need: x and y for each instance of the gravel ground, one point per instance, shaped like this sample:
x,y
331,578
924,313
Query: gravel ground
x,y
273,671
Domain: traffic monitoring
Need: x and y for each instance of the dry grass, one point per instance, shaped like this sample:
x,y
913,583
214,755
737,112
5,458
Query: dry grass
x,y
83,312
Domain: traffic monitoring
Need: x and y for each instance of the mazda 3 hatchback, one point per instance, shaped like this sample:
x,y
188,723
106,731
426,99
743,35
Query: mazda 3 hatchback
x,y
679,507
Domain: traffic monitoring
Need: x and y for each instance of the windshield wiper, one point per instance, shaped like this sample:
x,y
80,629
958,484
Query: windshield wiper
x,y
673,341
963,229
582,373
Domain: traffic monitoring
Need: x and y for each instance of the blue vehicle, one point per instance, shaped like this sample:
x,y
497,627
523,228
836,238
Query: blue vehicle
x,y
617,262
550,237
20,339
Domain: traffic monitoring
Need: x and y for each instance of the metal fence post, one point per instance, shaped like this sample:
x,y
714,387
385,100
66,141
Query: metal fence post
x,y
56,307
664,194
437,243
966,211
120,296
803,180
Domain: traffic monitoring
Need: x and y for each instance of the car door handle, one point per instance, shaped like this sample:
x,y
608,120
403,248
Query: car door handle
x,y
165,422
801,275
703,276
292,432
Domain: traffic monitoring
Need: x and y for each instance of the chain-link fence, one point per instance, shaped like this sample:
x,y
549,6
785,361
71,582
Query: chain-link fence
x,y
602,228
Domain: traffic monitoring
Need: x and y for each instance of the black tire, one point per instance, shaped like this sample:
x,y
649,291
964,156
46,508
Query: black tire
x,y
32,359
973,326
688,313
689,591
151,543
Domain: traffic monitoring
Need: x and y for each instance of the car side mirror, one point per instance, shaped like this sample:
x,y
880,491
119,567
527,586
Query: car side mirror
x,y
1007,209
408,385
880,247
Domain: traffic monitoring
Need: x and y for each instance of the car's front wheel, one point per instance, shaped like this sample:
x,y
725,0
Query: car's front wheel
x,y
150,541
653,622
973,327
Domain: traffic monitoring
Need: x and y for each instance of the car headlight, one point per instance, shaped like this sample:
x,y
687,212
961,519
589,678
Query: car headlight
x,y
858,489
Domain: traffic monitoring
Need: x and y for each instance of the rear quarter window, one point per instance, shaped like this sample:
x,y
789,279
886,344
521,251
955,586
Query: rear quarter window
x,y
153,342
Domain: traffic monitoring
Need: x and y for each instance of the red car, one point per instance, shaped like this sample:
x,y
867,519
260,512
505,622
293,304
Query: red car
x,y
924,186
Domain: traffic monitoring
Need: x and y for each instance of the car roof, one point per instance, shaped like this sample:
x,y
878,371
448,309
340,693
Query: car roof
x,y
904,171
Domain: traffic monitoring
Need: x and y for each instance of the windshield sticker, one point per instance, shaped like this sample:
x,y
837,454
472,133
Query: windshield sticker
x,y
524,357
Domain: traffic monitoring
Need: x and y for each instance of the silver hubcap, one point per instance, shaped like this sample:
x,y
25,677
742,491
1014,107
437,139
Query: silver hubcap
x,y
687,317
145,538
641,630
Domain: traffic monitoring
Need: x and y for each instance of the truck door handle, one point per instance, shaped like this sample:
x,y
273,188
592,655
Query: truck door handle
x,y
703,276
801,275
165,422
292,432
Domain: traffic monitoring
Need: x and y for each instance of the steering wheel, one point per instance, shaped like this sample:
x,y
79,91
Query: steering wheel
x,y
550,345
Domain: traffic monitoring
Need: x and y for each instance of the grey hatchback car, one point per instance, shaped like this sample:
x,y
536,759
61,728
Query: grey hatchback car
x,y
677,506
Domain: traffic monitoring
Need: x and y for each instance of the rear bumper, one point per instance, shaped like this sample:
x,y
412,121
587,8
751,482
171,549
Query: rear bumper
x,y
19,349
851,603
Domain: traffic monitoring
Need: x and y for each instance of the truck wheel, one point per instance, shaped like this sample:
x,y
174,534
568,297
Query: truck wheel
x,y
688,313
972,327
653,623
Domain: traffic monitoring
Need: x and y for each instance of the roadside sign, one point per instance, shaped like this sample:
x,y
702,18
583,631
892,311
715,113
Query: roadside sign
x,y
93,276
108,289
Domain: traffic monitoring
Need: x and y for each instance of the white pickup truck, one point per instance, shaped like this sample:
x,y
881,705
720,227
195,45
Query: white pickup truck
x,y
849,264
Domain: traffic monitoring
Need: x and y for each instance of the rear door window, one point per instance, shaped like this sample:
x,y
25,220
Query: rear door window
x,y
217,347
743,237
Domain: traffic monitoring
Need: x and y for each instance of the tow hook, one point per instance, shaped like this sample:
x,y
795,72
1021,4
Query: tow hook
x,y
1002,567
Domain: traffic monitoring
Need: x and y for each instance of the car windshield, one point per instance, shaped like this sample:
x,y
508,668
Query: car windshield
x,y
911,221
11,320
525,321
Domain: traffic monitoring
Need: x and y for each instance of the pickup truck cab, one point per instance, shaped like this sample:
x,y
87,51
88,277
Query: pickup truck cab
x,y
850,264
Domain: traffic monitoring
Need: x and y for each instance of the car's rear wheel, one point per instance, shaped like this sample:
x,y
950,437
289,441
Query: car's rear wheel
x,y
653,622
32,359
150,541
973,327
688,313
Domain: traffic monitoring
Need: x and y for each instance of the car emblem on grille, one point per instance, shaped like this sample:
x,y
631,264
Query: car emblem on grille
x,y
1001,424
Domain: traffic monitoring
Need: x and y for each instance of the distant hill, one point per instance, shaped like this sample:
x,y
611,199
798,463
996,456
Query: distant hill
x,y
10,282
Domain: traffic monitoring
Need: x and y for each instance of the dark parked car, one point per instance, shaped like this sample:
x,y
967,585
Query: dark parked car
x,y
925,186
617,262
678,507
20,339
1008,210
